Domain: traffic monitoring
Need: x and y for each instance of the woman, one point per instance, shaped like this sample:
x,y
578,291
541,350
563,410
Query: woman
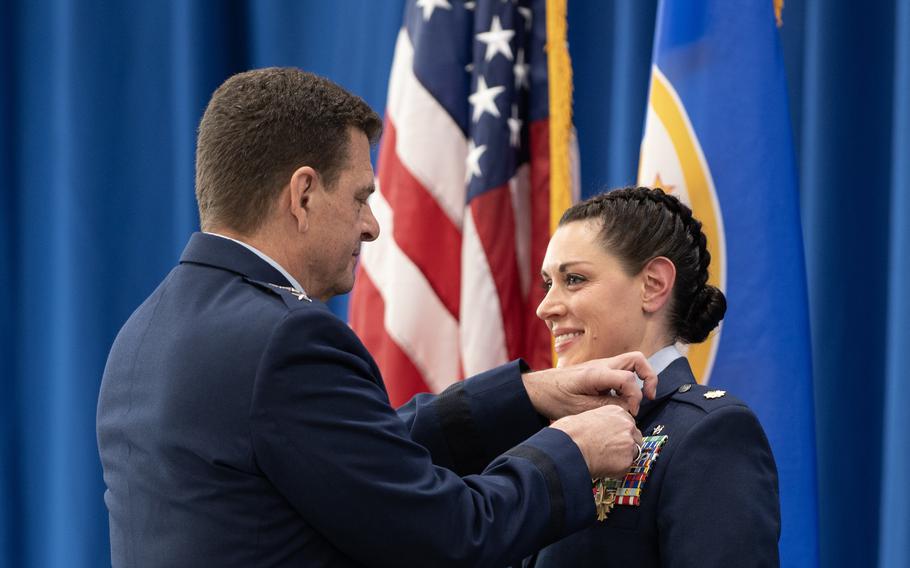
x,y
628,271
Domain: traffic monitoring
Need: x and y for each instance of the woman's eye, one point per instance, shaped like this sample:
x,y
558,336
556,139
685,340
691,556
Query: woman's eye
x,y
546,284
572,279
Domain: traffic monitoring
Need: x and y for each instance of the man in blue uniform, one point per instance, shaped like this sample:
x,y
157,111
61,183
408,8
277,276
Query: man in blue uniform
x,y
240,423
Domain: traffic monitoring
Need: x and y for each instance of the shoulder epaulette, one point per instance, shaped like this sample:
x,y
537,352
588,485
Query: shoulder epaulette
x,y
705,397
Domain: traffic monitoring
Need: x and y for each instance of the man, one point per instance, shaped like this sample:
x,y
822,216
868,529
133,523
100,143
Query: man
x,y
240,423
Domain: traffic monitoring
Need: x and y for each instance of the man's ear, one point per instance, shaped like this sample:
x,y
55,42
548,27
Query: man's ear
x,y
300,193
658,277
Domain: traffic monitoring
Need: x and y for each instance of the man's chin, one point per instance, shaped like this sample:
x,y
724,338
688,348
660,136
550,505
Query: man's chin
x,y
344,287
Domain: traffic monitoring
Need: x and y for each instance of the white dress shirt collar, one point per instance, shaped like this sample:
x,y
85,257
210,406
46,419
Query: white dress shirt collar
x,y
662,359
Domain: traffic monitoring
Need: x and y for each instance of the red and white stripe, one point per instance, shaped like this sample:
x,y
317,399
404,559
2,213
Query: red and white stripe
x,y
448,290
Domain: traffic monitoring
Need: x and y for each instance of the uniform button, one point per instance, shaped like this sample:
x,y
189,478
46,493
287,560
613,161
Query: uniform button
x,y
685,388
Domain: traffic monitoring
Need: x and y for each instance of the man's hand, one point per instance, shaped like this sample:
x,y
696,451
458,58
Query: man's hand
x,y
571,390
607,438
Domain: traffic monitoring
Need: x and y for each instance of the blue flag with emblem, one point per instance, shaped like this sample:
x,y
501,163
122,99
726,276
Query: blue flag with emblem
x,y
717,135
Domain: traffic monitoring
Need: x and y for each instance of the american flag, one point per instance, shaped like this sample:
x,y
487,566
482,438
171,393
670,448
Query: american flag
x,y
450,287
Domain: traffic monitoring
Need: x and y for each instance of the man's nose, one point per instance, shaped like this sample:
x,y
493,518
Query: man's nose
x,y
370,225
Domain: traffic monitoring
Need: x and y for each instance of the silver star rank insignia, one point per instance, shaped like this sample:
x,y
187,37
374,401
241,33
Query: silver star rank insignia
x,y
300,294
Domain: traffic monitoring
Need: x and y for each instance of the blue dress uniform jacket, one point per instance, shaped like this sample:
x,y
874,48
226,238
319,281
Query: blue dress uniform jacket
x,y
710,499
239,425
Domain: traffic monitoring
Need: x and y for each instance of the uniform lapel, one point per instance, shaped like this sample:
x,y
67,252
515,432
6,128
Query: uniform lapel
x,y
677,374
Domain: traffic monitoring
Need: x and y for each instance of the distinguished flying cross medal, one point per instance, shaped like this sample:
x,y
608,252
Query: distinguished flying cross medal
x,y
627,491
604,496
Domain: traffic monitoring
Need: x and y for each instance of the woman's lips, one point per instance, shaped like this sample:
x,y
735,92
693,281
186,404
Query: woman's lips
x,y
564,340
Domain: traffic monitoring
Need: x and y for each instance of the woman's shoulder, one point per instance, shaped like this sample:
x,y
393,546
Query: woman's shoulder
x,y
690,400
706,398
693,407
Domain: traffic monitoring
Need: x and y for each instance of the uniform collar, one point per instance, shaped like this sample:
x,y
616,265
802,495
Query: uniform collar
x,y
662,359
219,252
287,275
675,375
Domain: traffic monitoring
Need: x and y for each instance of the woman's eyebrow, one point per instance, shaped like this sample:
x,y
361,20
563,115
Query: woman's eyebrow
x,y
566,265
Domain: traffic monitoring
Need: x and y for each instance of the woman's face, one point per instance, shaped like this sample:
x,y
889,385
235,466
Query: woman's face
x,y
592,307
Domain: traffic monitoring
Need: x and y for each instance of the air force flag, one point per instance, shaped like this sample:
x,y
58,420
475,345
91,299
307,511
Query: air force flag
x,y
718,136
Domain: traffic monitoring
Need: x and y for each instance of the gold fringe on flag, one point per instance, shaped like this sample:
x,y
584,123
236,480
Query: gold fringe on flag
x,y
559,69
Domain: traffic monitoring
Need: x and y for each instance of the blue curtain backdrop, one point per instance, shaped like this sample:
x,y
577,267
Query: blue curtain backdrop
x,y
98,106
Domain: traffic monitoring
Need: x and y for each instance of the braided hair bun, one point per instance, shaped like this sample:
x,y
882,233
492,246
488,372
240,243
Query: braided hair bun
x,y
706,310
639,224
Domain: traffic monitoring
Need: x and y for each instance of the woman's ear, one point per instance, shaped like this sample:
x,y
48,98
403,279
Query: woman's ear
x,y
300,195
659,275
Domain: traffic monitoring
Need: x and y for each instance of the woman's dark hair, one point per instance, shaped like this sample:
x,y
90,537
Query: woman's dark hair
x,y
639,224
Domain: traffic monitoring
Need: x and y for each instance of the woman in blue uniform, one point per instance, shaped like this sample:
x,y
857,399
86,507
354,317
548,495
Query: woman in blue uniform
x,y
627,271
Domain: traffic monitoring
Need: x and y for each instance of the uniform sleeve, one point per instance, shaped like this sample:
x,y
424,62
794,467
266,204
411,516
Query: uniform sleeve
x,y
326,437
475,420
719,504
